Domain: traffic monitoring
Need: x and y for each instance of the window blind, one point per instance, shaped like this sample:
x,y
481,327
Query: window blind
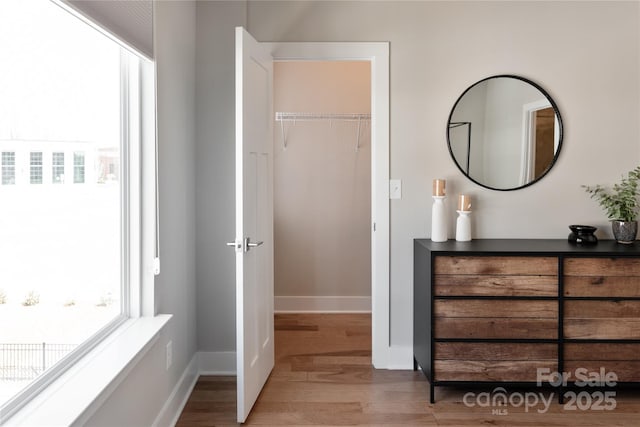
x,y
129,20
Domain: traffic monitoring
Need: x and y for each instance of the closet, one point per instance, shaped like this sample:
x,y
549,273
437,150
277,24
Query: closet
x,y
322,185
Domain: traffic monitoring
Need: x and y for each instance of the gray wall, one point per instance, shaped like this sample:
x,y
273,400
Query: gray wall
x,y
585,54
215,171
140,397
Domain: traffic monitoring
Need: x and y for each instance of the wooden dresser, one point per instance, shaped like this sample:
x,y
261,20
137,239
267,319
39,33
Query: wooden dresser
x,y
495,311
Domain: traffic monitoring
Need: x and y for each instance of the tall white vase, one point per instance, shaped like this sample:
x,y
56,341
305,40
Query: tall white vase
x,y
463,226
438,220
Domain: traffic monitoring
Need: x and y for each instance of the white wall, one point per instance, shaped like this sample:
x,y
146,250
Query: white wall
x,y
322,185
141,396
585,54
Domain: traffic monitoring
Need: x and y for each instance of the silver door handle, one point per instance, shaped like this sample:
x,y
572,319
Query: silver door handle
x,y
248,244
236,245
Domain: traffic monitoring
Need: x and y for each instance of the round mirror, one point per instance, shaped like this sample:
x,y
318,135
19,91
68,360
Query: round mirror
x,y
504,132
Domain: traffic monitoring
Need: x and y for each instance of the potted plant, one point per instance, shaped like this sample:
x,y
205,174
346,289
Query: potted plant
x,y
621,205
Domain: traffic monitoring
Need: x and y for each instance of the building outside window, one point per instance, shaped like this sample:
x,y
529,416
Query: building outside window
x,y
78,167
35,168
8,167
57,168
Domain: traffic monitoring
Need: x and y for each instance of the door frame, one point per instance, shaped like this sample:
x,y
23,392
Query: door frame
x,y
377,53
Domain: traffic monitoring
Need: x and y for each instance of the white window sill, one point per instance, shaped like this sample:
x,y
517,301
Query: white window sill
x,y
75,396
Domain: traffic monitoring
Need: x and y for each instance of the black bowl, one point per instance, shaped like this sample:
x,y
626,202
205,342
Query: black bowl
x,y
583,234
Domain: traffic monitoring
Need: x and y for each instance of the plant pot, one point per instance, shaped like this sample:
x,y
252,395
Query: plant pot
x,y
624,231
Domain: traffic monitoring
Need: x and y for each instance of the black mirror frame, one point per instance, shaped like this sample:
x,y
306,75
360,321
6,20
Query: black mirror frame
x,y
555,109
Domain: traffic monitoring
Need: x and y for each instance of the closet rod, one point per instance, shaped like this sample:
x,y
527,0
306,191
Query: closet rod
x,y
321,116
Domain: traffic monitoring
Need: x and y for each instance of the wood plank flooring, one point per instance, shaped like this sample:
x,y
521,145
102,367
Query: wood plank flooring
x,y
323,376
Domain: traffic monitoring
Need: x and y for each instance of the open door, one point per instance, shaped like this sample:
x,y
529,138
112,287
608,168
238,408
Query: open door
x,y
254,219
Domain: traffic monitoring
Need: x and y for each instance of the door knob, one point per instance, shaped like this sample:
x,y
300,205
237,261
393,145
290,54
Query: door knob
x,y
248,244
236,245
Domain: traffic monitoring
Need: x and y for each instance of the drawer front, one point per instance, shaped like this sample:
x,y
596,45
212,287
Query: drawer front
x,y
619,329
622,267
602,319
495,351
499,328
593,309
602,277
601,351
621,359
486,370
495,285
602,286
495,308
506,319
495,276
500,265
493,361
626,371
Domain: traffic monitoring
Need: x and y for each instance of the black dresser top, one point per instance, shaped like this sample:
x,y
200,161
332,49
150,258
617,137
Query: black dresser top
x,y
530,247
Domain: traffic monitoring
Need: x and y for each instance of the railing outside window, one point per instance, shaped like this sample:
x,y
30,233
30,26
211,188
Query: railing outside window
x,y
19,362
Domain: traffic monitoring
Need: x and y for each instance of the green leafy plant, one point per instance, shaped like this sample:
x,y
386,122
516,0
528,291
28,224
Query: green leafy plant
x,y
621,202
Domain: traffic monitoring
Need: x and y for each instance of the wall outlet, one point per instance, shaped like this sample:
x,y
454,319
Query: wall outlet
x,y
169,354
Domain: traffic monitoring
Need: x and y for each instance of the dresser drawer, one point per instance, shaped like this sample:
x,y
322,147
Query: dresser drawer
x,y
602,286
622,267
496,308
602,277
507,319
495,285
622,359
495,351
602,319
496,265
495,276
493,361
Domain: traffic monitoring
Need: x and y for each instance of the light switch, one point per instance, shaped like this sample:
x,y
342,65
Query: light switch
x,y
395,189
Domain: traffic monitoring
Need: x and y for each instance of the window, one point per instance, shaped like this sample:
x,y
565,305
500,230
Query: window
x,y
78,168
8,167
71,261
35,172
57,162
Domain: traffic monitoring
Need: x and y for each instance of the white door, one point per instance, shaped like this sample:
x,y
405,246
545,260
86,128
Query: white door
x,y
254,219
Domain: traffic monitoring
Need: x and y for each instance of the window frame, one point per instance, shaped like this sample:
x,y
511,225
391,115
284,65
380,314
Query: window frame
x,y
57,165
139,217
79,171
36,167
8,167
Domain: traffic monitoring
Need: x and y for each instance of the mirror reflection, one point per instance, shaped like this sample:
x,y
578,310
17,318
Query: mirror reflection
x,y
504,132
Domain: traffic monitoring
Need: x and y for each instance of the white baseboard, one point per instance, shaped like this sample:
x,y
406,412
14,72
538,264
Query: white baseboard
x,y
400,358
202,363
322,304
217,363
178,398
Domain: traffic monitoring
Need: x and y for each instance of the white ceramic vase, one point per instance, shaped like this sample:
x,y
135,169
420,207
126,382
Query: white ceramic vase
x,y
438,220
463,226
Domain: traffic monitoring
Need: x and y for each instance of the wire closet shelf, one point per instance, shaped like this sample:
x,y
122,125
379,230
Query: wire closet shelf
x,y
295,117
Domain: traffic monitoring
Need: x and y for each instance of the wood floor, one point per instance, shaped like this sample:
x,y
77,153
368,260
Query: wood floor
x,y
323,376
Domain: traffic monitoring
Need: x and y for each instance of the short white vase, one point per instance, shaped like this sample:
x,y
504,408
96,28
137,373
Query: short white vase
x,y
463,226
